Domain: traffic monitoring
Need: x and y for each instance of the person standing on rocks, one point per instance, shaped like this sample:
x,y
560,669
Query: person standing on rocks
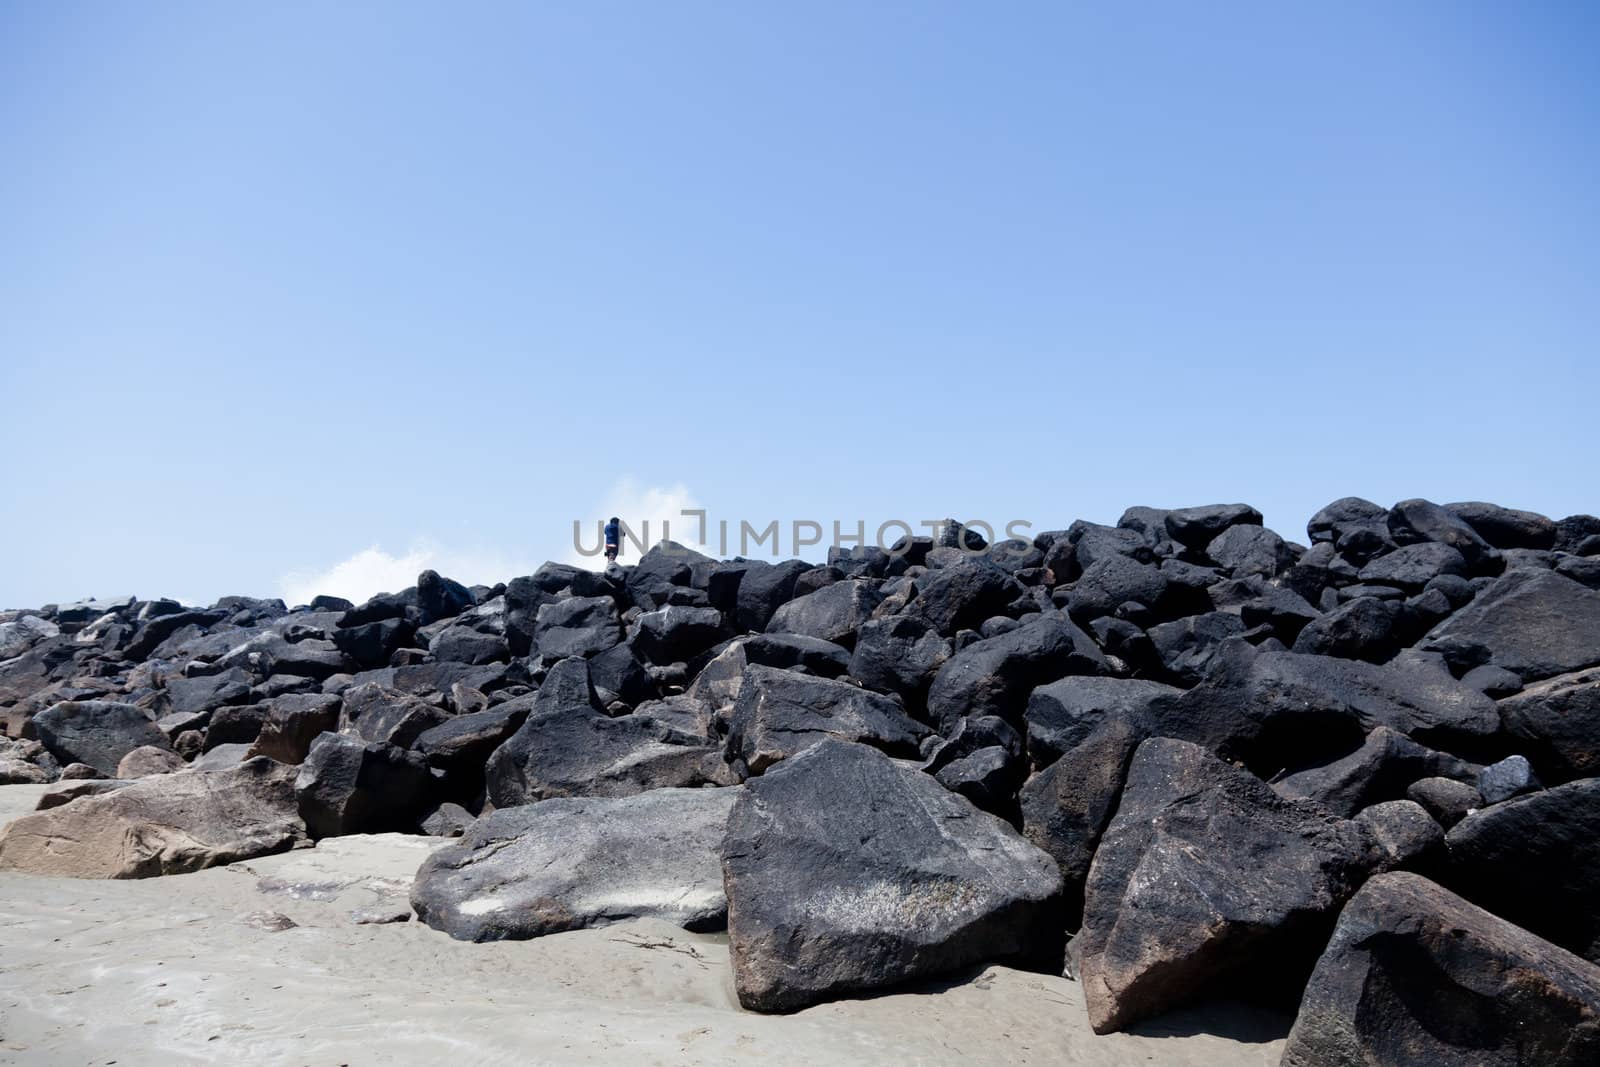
x,y
613,539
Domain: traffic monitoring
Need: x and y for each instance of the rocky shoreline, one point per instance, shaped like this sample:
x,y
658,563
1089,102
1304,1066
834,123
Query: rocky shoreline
x,y
1353,781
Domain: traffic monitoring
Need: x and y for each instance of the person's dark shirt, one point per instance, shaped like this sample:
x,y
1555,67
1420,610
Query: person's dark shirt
x,y
612,532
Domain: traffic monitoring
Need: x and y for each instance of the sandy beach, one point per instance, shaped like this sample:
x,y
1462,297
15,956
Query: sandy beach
x,y
207,968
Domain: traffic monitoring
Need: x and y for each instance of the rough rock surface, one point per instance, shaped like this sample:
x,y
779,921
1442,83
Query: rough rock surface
x,y
1206,870
1415,976
96,732
909,881
564,864
1535,623
780,713
1535,861
577,751
168,824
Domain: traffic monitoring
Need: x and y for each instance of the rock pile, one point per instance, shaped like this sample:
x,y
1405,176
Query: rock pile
x,y
1177,756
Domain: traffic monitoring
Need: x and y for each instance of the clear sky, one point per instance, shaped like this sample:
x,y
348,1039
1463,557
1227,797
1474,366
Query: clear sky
x,y
299,296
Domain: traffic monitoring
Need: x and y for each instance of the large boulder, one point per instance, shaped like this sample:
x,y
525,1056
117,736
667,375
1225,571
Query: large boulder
x,y
348,786
372,643
1506,527
1196,527
668,566
292,722
463,742
963,594
194,696
565,864
1357,528
1246,549
995,676
374,712
673,634
1417,977
907,880
1414,566
1414,521
441,598
21,634
1559,720
1534,622
1067,806
898,654
1187,646
1535,860
577,626
1062,714
576,750
96,732
762,588
1364,628
1114,580
168,824
1205,873
1274,710
779,713
146,761
833,613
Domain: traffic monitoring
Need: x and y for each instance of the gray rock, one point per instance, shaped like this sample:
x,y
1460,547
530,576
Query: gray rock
x,y
1365,628
222,758
907,881
1187,646
447,820
673,633
1196,527
1508,778
1414,566
565,864
1414,521
1506,527
962,595
1067,806
1108,583
1273,710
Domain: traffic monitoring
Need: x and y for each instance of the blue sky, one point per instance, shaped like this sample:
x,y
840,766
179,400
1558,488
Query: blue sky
x,y
291,288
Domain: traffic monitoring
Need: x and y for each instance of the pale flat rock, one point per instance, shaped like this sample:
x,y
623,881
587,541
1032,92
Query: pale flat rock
x,y
564,864
168,824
